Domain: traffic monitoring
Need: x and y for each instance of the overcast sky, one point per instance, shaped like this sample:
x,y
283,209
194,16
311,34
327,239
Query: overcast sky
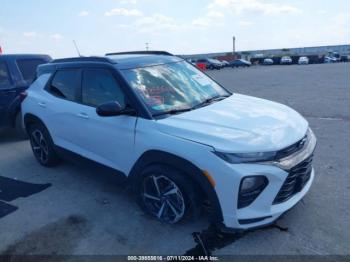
x,y
178,26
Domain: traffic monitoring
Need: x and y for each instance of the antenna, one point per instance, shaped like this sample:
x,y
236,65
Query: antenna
x,y
76,47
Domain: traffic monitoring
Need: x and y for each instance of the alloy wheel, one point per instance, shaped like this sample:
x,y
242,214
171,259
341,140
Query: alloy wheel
x,y
163,199
40,146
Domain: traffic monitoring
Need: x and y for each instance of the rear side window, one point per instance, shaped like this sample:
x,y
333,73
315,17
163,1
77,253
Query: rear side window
x,y
100,86
64,84
4,76
28,68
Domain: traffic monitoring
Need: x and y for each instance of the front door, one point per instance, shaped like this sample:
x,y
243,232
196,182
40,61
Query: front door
x,y
108,140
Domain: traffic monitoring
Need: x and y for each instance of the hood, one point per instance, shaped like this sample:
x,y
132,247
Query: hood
x,y
239,124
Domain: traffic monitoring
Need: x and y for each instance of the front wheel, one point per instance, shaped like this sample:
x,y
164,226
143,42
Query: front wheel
x,y
165,194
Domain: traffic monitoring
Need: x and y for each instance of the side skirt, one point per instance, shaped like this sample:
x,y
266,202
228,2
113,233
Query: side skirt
x,y
103,171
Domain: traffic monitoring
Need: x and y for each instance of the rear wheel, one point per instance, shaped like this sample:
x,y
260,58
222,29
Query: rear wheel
x,y
164,193
42,145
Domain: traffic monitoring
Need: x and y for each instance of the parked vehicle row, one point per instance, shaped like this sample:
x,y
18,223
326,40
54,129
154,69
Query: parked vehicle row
x,y
303,60
212,64
179,138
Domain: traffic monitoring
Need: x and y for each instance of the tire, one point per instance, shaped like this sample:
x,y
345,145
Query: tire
x,y
20,131
166,194
42,145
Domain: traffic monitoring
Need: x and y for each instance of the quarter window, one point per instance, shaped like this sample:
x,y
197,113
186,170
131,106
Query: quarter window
x,y
100,86
64,84
4,76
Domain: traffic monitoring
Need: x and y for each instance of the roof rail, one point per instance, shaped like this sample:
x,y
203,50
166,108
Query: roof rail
x,y
141,53
84,59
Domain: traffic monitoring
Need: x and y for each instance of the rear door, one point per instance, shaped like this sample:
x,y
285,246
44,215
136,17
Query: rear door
x,y
7,91
59,108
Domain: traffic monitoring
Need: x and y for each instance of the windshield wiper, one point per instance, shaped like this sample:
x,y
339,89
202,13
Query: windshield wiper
x,y
211,100
173,111
182,110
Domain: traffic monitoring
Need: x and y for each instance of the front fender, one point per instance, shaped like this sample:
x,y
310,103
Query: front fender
x,y
195,173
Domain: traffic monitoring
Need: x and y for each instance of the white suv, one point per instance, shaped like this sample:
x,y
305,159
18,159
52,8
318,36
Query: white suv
x,y
180,138
303,60
286,60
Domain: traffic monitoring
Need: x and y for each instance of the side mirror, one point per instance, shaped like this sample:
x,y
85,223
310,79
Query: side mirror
x,y
113,109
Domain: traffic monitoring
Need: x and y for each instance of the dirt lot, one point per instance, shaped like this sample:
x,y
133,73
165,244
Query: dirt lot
x,y
82,209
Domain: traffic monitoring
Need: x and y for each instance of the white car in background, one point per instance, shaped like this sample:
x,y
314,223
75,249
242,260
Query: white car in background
x,y
268,61
225,63
303,60
286,60
329,60
178,137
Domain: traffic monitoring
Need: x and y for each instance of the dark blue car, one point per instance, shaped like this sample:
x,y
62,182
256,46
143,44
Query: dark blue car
x,y
240,63
17,72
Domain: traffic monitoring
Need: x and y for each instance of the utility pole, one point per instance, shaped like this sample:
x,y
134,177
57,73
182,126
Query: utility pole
x,y
147,46
234,46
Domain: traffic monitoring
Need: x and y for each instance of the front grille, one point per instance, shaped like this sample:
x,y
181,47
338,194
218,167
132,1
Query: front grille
x,y
295,182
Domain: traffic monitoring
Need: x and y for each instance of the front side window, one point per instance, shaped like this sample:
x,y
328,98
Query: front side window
x,y
173,86
27,67
4,76
99,87
64,84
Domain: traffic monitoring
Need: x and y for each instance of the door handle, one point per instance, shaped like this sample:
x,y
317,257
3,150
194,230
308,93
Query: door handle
x,y
42,104
83,115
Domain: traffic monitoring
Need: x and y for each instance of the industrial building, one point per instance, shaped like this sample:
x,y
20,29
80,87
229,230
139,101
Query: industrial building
x,y
316,51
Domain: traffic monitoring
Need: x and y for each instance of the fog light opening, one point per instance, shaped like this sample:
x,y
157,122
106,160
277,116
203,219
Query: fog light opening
x,y
250,188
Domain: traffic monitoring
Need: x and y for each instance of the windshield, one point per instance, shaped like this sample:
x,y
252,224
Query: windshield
x,y
173,87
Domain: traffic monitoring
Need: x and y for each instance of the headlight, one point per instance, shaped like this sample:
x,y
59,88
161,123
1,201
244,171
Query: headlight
x,y
305,148
294,159
236,158
278,158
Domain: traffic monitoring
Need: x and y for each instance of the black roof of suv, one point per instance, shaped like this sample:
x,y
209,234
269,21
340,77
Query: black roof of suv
x,y
123,60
